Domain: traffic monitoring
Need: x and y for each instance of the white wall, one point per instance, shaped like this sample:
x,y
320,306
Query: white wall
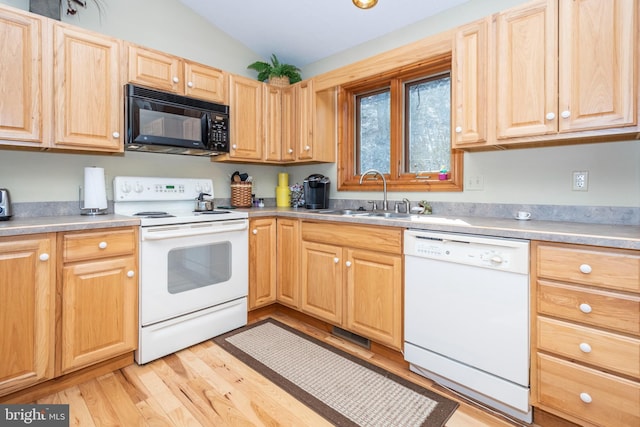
x,y
531,176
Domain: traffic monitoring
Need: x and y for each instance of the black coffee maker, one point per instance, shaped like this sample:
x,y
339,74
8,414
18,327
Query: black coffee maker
x,y
316,191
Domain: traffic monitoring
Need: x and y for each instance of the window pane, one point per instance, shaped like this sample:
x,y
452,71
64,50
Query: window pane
x,y
429,126
374,131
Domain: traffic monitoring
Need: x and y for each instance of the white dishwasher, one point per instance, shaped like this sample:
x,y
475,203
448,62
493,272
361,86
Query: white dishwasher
x,y
467,316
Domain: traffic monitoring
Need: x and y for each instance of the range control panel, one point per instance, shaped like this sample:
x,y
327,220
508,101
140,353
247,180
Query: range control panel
x,y
138,188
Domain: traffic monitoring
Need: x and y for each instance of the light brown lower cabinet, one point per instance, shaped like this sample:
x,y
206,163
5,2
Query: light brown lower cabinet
x,y
288,262
586,333
262,262
27,318
88,315
352,278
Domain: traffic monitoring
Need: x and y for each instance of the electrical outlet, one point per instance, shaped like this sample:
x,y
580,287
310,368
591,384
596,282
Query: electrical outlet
x,y
580,181
474,183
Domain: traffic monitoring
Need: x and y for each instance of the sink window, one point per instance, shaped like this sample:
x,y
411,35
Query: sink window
x,y
400,124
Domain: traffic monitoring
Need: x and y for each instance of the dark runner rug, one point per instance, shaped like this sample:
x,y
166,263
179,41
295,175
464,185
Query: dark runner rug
x,y
344,389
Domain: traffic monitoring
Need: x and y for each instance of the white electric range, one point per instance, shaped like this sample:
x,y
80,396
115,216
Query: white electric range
x,y
193,265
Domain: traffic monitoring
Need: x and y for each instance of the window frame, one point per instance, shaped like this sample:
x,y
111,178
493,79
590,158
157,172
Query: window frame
x,y
348,178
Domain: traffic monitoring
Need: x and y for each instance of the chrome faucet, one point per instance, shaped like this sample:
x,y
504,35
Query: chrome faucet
x,y
374,172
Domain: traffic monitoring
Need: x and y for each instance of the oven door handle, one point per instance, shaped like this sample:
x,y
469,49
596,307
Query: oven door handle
x,y
193,230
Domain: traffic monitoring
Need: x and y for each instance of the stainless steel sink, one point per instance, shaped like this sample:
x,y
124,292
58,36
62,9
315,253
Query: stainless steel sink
x,y
352,212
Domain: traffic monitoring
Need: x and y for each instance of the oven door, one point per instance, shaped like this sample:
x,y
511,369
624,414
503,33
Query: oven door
x,y
189,267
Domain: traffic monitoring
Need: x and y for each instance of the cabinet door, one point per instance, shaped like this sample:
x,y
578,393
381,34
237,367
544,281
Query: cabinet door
x,y
289,122
262,262
321,281
470,78
27,292
374,296
305,120
205,82
88,94
21,108
598,53
288,261
526,76
273,123
99,312
245,105
155,69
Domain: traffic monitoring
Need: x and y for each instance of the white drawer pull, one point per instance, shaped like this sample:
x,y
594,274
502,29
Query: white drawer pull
x,y
585,268
585,308
585,397
254,231
336,260
130,273
550,116
102,245
44,257
348,263
585,348
176,80
458,129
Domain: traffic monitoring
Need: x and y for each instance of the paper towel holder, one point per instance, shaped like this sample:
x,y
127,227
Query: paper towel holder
x,y
88,211
97,205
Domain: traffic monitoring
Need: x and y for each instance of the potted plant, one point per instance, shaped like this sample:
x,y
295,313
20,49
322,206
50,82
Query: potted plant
x,y
277,73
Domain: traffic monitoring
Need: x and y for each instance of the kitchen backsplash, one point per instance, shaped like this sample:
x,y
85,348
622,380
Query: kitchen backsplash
x,y
585,214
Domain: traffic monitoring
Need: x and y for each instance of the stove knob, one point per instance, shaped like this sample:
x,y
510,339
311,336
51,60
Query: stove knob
x,y
126,188
139,187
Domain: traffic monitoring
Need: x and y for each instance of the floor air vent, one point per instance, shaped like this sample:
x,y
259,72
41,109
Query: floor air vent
x,y
350,336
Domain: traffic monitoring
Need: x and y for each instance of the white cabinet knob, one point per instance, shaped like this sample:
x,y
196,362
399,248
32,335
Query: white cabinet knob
x,y
585,397
585,268
290,150
585,348
348,263
130,273
44,257
102,245
176,80
565,114
307,148
190,84
458,129
234,146
336,260
585,308
116,134
550,116
254,231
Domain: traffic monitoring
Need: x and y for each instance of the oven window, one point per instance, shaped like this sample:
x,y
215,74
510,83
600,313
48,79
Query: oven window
x,y
198,266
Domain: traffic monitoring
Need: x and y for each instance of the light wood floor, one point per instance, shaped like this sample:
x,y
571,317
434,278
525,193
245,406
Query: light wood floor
x,y
206,386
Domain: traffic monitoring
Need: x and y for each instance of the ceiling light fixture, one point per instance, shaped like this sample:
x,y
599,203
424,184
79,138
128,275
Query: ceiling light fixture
x,y
365,4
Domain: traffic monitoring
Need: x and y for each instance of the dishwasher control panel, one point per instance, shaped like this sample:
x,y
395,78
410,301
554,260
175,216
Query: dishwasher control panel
x,y
490,252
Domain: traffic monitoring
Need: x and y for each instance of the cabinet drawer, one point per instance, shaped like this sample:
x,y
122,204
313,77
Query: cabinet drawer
x,y
603,349
607,309
381,239
98,244
606,268
563,385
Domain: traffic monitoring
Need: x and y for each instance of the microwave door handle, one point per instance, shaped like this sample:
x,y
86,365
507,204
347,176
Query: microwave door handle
x,y
174,232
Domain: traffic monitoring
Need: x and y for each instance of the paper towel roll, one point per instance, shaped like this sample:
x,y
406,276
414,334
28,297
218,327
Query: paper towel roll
x,y
95,192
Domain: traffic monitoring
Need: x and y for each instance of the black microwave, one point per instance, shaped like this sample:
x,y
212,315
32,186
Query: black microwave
x,y
162,122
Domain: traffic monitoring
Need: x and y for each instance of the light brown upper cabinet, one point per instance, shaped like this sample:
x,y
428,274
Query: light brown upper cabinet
x,y
246,119
469,88
88,106
22,109
566,70
170,73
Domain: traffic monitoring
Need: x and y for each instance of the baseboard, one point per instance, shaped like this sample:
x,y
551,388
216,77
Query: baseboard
x,y
35,392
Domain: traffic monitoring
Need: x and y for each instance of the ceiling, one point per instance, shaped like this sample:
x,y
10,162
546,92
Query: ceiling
x,y
301,32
